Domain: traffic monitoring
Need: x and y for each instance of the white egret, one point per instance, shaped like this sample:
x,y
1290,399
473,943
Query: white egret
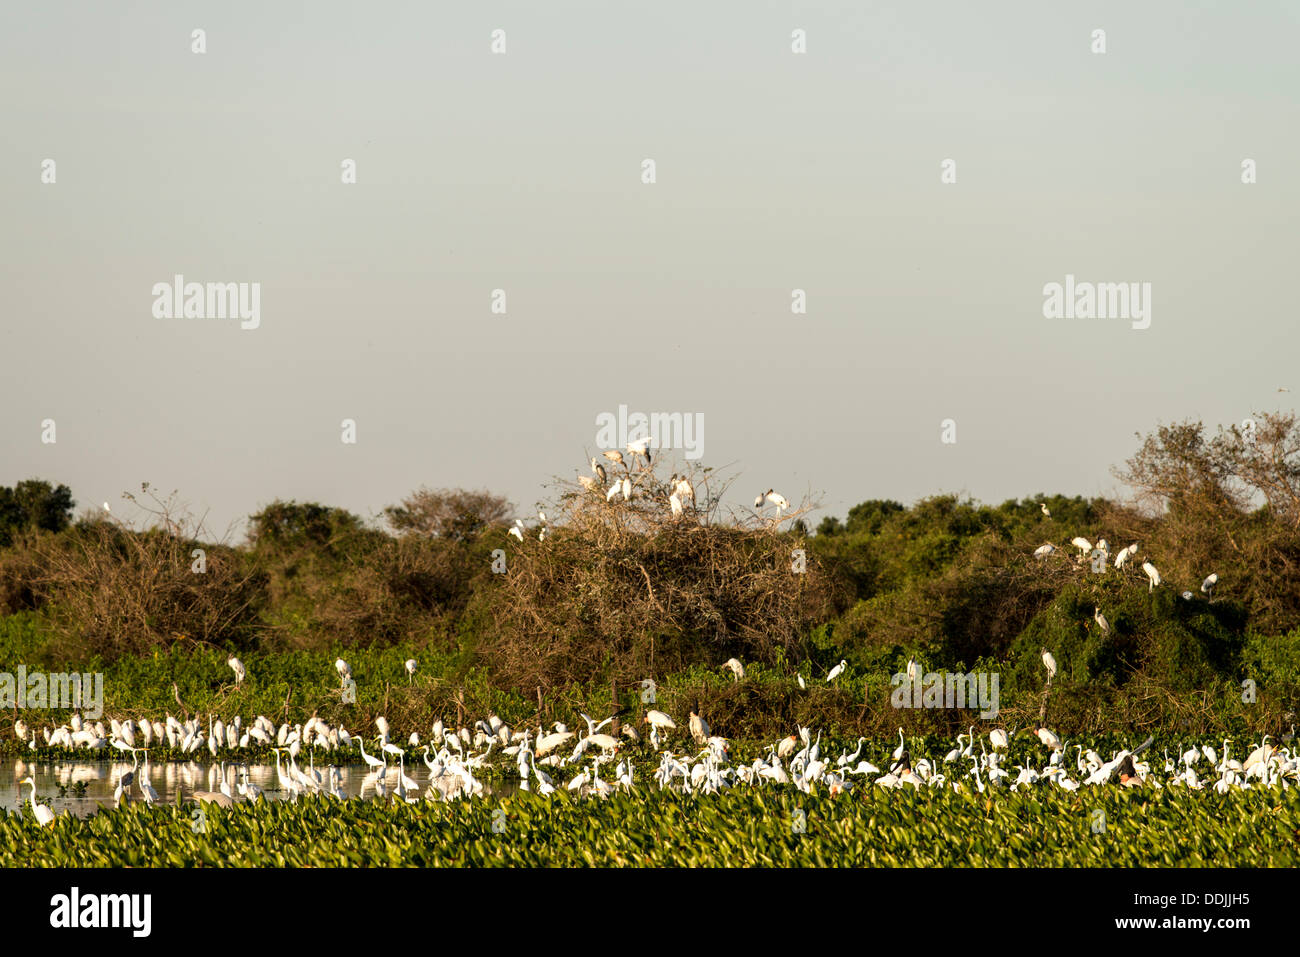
x,y
1049,662
836,671
1153,576
44,816
1046,512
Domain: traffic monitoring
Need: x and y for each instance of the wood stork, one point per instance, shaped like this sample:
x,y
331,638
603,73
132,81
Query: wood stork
x,y
1049,662
1125,554
1207,586
1082,544
640,447
615,456
589,483
998,738
737,669
1042,551
699,728
779,500
758,499
342,667
1049,739
1153,576
238,667
411,665
598,470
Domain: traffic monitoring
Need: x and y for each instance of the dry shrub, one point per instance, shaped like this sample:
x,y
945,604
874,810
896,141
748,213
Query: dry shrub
x,y
626,590
112,589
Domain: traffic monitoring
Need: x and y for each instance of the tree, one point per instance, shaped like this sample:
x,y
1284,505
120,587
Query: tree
x,y
34,504
456,514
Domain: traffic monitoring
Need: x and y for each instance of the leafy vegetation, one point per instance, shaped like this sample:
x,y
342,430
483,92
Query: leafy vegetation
x,y
622,591
741,827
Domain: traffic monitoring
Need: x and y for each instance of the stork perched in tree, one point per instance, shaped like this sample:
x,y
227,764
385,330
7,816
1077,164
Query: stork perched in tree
x,y
238,667
1042,551
615,456
1125,554
1153,576
1049,662
1207,586
737,669
640,447
1082,544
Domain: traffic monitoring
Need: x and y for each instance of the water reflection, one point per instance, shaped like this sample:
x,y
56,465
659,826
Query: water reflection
x,y
59,783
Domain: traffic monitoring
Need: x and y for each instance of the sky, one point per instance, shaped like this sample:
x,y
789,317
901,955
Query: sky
x,y
523,171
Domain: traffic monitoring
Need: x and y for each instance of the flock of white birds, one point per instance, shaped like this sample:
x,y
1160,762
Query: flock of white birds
x,y
1099,555
546,758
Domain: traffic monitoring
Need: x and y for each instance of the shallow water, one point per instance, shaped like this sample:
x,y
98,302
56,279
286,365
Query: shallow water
x,y
172,780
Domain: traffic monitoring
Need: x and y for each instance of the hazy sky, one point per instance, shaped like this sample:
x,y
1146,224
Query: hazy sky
x,y
522,172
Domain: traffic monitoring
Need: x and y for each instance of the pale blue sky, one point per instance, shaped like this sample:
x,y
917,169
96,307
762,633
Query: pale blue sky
x,y
775,171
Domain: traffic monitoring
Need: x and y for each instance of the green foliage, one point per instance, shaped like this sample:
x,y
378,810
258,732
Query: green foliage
x,y
737,828
33,504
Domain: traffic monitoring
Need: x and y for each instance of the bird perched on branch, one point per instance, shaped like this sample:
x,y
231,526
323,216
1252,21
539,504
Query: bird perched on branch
x,y
1042,551
1101,621
640,447
737,669
1046,512
1049,662
1125,554
615,456
598,470
238,667
1153,576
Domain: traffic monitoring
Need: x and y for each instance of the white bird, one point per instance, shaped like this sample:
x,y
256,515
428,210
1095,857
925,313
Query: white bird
x,y
589,483
411,665
613,491
627,489
913,669
802,684
107,509
758,499
238,667
1049,739
1207,586
1082,544
640,447
836,671
779,500
1125,554
998,738
1049,662
517,530
1153,576
598,470
1043,506
737,669
676,504
699,729
44,816
342,667
541,515
1100,619
614,456
1042,551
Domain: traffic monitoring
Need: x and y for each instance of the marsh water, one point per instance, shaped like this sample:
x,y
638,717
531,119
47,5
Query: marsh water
x,y
59,783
